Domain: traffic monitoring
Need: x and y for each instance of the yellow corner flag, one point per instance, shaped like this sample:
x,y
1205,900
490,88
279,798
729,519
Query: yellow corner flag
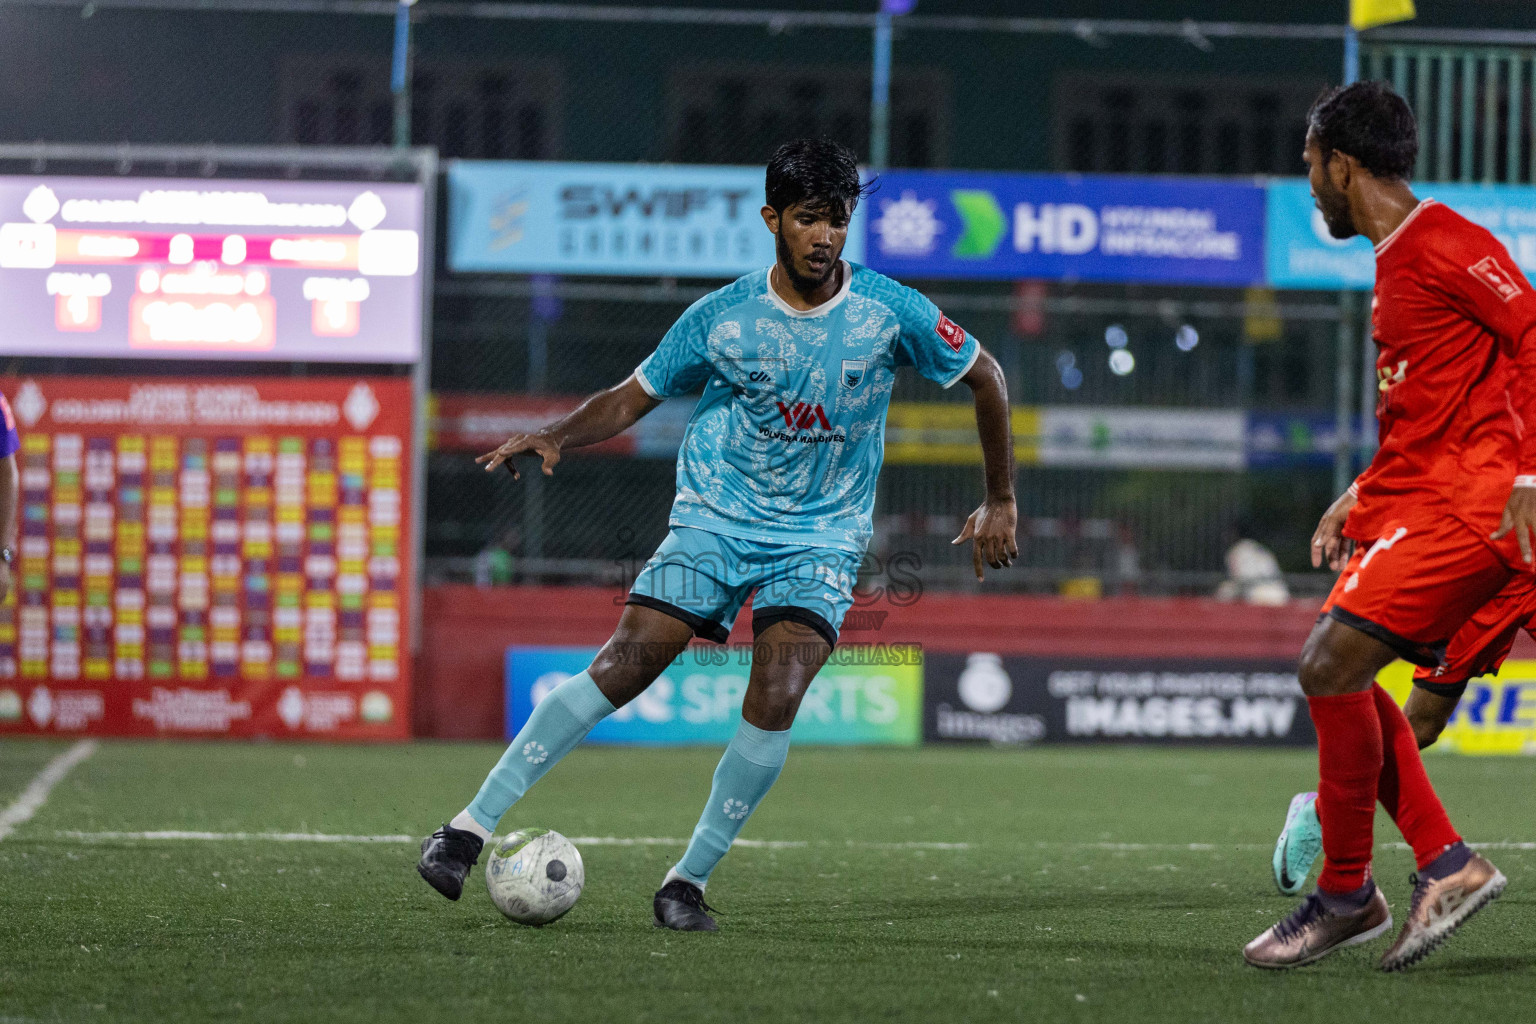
x,y
1364,14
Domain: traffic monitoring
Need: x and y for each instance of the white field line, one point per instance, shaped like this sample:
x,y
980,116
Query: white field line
x,y
175,835
35,795
326,837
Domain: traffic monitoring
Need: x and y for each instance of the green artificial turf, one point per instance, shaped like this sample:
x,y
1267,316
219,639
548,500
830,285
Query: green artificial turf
x,y
1042,917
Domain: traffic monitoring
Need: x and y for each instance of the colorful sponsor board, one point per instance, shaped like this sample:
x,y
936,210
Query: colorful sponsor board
x,y
953,224
867,694
1014,701
173,268
572,218
1497,715
1300,253
210,556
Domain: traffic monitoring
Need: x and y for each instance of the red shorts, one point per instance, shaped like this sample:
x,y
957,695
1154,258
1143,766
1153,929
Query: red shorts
x,y
1417,585
1480,646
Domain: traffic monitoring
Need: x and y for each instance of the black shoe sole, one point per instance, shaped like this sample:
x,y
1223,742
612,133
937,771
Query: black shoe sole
x,y
451,891
659,923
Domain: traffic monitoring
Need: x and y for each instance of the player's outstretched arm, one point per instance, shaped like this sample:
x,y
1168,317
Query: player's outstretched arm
x,y
993,525
600,417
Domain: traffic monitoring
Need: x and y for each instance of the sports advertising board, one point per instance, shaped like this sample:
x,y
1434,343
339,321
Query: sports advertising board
x,y
1497,715
318,271
210,557
865,695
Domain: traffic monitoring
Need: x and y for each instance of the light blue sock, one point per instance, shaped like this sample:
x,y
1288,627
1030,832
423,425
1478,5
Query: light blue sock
x,y
560,721
751,763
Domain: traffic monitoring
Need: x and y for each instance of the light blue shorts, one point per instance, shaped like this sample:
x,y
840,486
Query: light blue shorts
x,y
704,578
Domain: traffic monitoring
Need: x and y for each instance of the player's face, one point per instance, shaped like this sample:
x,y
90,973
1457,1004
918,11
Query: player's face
x,y
809,241
1330,198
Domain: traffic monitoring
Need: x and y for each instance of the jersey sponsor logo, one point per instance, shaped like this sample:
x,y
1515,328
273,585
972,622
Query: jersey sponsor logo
x,y
803,415
853,373
951,332
1489,271
759,377
1386,376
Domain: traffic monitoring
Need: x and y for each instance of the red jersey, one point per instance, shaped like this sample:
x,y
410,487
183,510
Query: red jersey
x,y
1450,305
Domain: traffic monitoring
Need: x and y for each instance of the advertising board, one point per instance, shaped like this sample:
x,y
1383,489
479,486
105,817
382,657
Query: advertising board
x,y
867,694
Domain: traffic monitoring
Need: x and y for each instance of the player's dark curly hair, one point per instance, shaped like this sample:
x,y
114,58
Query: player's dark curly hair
x,y
1369,122
817,173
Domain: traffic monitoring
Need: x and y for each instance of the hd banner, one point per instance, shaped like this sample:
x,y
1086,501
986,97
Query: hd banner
x,y
951,224
554,218
210,557
1014,701
867,694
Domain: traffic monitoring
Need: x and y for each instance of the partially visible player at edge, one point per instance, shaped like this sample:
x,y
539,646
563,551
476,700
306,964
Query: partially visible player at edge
x,y
1478,649
10,444
775,490
1442,522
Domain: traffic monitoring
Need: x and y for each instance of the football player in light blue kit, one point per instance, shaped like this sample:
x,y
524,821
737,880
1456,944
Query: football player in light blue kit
x,y
775,490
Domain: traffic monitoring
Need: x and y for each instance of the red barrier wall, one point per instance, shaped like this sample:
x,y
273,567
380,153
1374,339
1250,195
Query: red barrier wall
x,y
467,631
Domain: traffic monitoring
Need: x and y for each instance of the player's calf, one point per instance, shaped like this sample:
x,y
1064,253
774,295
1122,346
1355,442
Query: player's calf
x,y
446,857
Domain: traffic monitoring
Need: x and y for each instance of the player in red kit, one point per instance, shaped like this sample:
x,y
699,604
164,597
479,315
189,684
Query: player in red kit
x,y
1441,523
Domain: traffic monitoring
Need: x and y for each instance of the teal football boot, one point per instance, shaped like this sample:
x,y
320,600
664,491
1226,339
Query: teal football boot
x,y
1300,843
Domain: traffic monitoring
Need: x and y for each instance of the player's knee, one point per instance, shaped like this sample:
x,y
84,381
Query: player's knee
x,y
624,668
1319,671
775,705
1426,728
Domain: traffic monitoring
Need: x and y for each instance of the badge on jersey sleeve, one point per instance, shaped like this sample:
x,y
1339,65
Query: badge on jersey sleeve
x,y
951,332
1491,273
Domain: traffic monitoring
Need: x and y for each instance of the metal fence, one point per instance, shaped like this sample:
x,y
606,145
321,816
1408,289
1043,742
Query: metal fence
x,y
1133,530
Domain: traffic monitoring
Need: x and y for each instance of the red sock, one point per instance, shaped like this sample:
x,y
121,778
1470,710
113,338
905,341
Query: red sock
x,y
1404,789
1349,760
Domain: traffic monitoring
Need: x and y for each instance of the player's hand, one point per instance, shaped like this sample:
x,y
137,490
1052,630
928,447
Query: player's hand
x,y
1520,516
522,444
992,526
1329,544
5,580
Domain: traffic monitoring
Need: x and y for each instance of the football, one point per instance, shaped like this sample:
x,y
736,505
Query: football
x,y
535,875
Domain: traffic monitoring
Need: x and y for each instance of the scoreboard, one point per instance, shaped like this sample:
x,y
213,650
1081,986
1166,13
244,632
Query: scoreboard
x,y
210,556
318,271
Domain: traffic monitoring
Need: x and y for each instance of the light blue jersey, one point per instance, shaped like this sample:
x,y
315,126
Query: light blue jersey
x,y
787,441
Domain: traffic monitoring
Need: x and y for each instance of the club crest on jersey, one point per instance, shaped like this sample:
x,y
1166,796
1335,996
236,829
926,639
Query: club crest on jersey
x,y
853,373
1489,271
951,332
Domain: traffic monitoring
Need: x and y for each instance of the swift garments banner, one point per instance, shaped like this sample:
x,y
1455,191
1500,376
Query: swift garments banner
x,y
210,557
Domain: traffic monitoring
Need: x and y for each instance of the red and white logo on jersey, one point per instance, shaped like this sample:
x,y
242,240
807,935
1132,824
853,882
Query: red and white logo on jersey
x,y
802,415
1488,271
951,332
